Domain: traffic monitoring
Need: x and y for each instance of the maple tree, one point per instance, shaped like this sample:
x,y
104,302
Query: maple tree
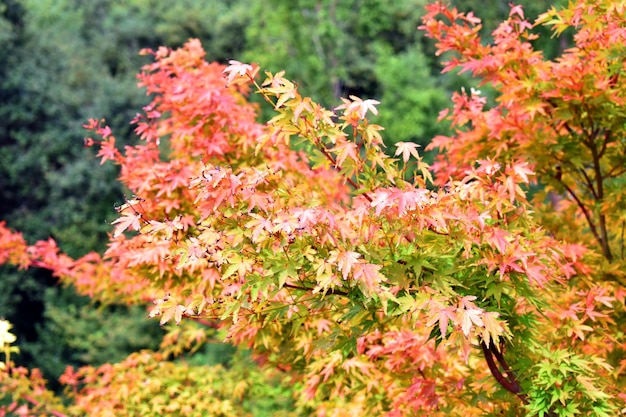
x,y
566,118
354,274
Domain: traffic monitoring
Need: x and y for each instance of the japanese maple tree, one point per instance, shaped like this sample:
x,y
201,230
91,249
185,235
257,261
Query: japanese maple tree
x,y
350,272
567,119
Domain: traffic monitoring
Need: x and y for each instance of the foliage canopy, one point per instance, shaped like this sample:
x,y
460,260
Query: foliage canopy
x,y
373,283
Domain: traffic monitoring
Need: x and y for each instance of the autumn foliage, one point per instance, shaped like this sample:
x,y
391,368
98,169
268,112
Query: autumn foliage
x,y
368,280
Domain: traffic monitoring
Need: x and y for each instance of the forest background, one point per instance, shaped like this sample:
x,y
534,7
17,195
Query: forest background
x,y
65,61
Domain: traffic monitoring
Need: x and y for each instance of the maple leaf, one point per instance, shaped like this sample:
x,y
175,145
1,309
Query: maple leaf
x,y
306,217
345,149
493,327
472,19
516,10
381,200
322,325
131,220
170,228
259,224
359,106
6,337
407,149
108,151
523,170
500,239
469,317
176,312
368,276
536,273
345,261
442,318
237,69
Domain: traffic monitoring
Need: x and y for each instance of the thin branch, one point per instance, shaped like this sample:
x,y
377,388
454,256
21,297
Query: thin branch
x,y
321,146
319,143
328,156
329,291
618,169
622,240
583,208
604,240
589,182
605,144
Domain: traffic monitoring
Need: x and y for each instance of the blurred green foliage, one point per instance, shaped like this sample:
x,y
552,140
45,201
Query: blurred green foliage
x,y
367,48
269,395
64,61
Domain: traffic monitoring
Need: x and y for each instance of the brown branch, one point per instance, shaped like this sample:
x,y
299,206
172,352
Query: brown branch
x,y
604,239
605,144
589,182
505,367
329,291
622,240
321,146
507,384
328,156
598,192
590,142
606,248
618,169
583,208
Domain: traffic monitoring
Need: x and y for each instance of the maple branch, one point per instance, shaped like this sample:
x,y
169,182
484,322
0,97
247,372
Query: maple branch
x,y
588,182
606,248
330,290
583,208
509,374
618,169
607,139
509,382
328,156
622,241
597,191
319,143
333,162
604,242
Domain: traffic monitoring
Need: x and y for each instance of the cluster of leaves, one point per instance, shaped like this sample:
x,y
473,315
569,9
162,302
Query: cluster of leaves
x,y
64,61
344,268
566,118
145,383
